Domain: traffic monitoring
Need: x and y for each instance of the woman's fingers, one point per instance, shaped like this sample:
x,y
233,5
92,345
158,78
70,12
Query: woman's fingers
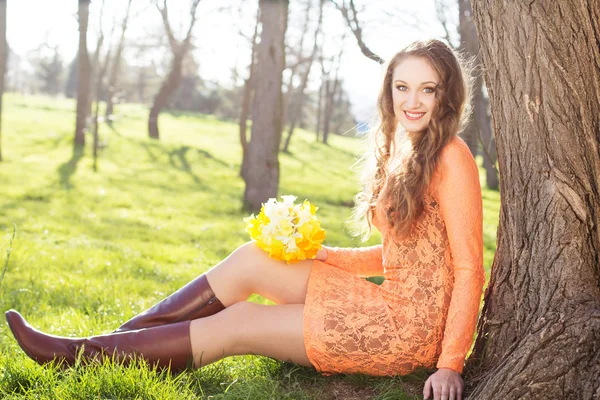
x,y
427,388
443,388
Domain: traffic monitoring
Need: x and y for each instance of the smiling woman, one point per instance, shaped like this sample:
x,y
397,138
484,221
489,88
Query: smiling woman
x,y
414,100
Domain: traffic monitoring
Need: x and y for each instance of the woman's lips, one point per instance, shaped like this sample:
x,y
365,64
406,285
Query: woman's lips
x,y
413,116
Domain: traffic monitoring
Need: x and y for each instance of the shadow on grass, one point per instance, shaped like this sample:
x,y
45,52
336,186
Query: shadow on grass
x,y
178,157
67,169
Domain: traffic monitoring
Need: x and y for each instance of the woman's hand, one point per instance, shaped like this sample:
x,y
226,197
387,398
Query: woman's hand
x,y
321,254
446,384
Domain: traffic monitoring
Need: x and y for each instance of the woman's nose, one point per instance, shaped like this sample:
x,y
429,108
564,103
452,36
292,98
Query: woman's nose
x,y
413,100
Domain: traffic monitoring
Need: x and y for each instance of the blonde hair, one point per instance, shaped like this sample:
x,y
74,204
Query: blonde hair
x,y
409,182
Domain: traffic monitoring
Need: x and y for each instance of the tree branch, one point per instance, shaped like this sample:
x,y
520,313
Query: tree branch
x,y
441,10
164,13
351,16
193,9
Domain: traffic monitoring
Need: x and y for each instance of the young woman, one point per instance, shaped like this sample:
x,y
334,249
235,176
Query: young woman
x,y
422,192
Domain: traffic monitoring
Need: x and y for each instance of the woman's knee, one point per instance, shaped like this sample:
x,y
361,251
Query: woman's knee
x,y
240,314
249,258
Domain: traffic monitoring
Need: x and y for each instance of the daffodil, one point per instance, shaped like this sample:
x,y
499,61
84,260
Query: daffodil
x,y
287,231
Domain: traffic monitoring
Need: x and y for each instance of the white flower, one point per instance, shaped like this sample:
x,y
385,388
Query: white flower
x,y
289,200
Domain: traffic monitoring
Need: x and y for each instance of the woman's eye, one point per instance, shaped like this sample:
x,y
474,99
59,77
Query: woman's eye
x,y
402,88
429,90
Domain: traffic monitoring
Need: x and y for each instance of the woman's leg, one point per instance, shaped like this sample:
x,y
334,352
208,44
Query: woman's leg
x,y
250,328
243,328
249,269
246,270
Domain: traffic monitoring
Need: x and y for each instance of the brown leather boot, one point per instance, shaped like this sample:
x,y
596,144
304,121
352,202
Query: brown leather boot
x,y
165,346
194,300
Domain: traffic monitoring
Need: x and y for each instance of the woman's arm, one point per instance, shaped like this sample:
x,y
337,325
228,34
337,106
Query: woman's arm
x,y
459,197
361,261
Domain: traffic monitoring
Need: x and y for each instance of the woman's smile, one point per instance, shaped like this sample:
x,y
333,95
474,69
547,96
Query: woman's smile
x,y
413,116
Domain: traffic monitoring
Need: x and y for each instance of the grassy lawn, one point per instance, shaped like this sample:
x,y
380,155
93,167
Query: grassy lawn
x,y
94,248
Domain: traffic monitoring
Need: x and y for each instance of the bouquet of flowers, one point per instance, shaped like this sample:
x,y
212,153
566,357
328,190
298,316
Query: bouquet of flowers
x,y
287,231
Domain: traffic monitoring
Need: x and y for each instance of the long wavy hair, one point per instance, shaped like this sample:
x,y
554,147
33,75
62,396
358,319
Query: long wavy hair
x,y
408,183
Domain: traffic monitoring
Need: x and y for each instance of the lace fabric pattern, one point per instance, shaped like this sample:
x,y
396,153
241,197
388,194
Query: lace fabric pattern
x,y
425,312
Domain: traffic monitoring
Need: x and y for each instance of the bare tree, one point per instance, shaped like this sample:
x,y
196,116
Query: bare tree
x,y
350,14
95,62
3,61
247,97
83,86
320,98
332,86
262,175
179,50
115,66
99,74
539,332
299,94
297,51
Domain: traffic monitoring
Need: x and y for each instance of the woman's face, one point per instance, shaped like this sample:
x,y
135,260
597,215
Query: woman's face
x,y
414,84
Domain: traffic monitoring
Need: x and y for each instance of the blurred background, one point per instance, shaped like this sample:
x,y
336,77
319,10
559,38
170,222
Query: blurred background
x,y
43,41
218,58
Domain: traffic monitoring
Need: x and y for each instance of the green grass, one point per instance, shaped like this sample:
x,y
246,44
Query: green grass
x,y
94,248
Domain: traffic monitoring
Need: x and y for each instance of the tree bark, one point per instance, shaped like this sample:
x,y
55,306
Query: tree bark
x,y
169,86
262,174
84,76
3,61
539,332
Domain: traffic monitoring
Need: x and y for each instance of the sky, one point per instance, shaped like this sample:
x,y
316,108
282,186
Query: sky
x,y
218,43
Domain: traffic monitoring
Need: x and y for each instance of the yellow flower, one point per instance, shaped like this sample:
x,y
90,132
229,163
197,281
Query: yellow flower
x,y
287,231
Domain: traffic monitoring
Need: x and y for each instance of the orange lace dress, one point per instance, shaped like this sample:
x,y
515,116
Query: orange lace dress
x,y
425,312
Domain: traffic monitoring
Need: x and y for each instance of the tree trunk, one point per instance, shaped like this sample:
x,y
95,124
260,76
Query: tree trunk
x,y
83,85
327,110
330,105
488,142
539,332
114,72
179,50
479,131
168,87
3,61
330,93
324,77
262,174
468,43
247,97
100,73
